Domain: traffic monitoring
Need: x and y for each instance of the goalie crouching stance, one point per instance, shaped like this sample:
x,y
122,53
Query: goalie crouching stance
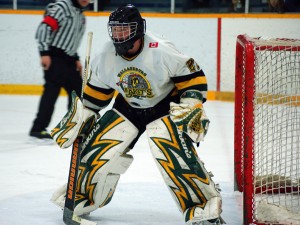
x,y
160,91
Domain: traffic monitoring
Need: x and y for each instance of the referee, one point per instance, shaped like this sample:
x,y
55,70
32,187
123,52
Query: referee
x,y
59,36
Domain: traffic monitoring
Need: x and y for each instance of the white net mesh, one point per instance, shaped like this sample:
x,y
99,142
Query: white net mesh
x,y
277,131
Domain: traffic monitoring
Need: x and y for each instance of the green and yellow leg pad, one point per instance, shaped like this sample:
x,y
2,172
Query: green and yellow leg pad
x,y
103,159
183,172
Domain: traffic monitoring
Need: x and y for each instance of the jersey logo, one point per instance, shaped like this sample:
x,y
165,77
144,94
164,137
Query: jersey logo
x,y
153,44
134,83
192,65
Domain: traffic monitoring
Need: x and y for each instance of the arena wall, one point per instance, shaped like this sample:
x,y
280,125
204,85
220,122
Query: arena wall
x,y
208,38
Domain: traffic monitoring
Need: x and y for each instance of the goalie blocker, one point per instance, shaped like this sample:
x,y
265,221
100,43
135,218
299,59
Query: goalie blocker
x,y
105,157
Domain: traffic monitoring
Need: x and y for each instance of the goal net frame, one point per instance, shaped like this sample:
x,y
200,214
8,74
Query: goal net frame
x,y
246,99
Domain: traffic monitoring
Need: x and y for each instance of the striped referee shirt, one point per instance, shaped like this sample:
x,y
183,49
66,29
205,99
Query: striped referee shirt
x,y
62,27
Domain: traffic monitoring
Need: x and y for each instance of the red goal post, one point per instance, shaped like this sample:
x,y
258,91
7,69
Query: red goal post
x,y
267,129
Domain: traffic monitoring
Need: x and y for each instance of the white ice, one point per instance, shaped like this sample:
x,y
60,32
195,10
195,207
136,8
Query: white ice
x,y
30,172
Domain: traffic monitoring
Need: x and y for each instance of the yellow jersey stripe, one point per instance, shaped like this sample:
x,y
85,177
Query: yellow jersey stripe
x,y
97,95
190,83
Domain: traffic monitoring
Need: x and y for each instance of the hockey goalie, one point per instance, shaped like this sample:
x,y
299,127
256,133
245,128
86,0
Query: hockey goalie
x,y
159,90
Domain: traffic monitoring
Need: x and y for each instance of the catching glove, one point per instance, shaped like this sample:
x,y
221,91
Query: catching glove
x,y
78,120
189,115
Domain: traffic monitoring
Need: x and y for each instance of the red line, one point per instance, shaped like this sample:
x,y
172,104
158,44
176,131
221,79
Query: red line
x,y
219,53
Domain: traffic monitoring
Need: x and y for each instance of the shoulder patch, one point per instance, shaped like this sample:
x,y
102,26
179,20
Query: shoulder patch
x,y
192,65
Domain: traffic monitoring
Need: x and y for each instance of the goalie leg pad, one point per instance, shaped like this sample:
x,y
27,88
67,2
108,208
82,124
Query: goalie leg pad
x,y
103,159
189,182
106,189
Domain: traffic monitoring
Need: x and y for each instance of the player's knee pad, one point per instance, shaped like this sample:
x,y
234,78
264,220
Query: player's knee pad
x,y
188,181
103,159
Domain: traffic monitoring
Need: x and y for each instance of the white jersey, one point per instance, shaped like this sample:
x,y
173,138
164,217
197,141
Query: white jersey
x,y
143,80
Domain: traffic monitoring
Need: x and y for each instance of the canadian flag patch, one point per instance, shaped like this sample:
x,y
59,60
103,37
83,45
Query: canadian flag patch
x,y
153,44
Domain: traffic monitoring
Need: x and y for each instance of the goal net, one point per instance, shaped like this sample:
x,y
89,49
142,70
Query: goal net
x,y
267,129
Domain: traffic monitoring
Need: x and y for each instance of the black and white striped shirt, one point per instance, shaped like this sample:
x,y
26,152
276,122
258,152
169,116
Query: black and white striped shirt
x,y
62,28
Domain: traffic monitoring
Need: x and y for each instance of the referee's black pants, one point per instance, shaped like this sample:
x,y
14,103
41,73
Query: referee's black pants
x,y
61,74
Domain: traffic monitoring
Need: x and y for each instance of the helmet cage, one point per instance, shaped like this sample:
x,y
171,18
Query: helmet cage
x,y
121,32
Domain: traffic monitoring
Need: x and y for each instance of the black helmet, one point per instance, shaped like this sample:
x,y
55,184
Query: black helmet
x,y
125,26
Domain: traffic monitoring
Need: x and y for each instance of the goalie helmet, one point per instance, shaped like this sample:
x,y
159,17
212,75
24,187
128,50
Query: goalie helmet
x,y
125,26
